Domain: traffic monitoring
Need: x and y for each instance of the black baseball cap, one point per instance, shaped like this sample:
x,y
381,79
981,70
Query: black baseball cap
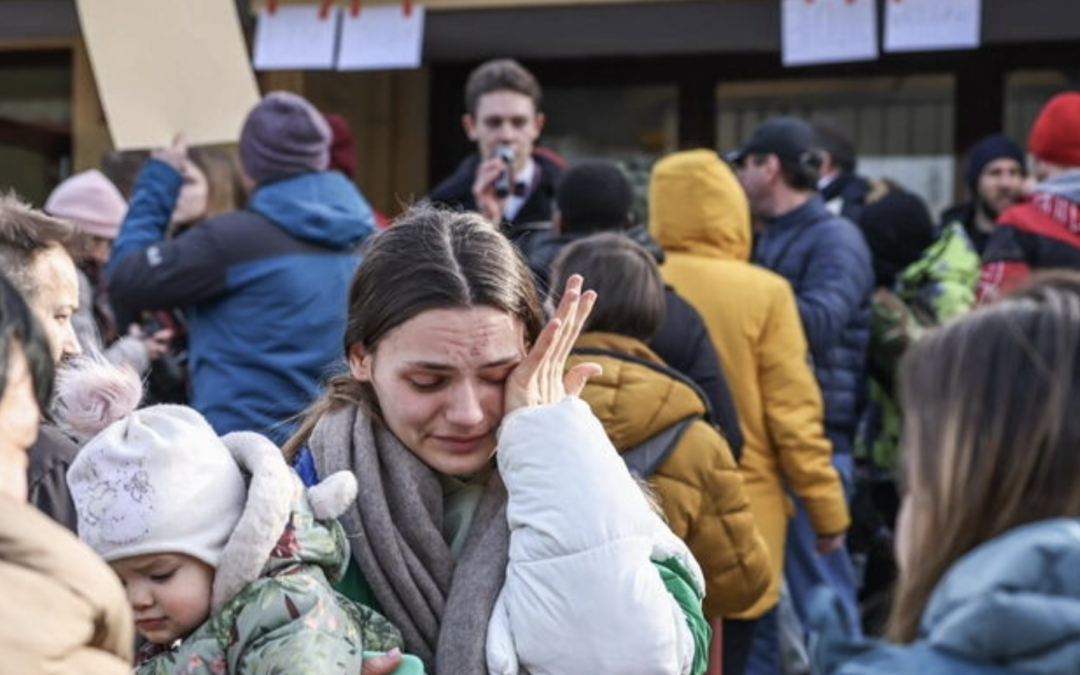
x,y
789,138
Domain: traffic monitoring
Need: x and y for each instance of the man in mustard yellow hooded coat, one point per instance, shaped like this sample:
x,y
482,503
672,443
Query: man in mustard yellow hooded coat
x,y
698,213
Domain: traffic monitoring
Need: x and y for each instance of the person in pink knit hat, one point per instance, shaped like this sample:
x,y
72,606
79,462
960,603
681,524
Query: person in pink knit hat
x,y
89,201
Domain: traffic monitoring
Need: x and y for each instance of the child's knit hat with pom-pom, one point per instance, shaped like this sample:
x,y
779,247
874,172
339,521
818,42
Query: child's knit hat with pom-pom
x,y
156,480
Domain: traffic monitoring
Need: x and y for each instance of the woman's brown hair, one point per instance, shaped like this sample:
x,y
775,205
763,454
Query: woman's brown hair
x,y
991,432
629,289
225,187
428,259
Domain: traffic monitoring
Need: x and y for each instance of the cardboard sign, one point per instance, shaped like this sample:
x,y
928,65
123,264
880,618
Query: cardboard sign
x,y
168,66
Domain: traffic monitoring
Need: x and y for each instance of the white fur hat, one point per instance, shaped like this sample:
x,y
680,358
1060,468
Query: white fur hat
x,y
156,480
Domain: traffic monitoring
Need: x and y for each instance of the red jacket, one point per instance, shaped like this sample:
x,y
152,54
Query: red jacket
x,y
1043,232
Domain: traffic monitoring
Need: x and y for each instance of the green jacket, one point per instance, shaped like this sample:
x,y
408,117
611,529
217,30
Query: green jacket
x,y
677,579
933,290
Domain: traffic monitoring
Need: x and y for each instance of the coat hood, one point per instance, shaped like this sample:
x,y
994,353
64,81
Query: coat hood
x,y
697,206
322,207
1014,600
636,396
64,611
1011,605
283,524
1066,184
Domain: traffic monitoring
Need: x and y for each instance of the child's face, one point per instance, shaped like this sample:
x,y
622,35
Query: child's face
x,y
169,593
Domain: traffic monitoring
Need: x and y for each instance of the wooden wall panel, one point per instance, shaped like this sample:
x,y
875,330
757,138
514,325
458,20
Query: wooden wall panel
x,y
89,131
388,114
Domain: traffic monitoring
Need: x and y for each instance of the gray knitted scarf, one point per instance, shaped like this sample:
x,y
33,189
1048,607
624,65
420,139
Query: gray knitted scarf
x,y
441,606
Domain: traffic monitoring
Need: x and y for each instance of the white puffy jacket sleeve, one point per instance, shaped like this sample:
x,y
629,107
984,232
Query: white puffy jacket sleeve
x,y
581,593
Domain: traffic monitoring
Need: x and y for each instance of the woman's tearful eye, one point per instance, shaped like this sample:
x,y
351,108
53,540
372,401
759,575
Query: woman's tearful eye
x,y
426,383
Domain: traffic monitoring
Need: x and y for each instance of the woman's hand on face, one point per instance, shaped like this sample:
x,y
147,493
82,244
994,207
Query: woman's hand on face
x,y
539,378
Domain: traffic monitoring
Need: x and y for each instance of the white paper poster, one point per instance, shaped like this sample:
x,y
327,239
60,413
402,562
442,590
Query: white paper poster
x,y
382,37
919,25
296,37
828,31
180,66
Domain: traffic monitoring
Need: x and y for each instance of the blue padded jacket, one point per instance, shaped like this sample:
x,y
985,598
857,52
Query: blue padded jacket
x,y
828,264
264,290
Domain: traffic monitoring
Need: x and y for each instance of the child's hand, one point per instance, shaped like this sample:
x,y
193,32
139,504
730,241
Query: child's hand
x,y
382,664
827,543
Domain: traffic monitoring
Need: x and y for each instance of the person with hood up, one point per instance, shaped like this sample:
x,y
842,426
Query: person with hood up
x,y
262,287
699,214
596,196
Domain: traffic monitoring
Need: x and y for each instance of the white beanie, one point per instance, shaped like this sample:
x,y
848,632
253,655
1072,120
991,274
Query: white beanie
x,y
157,481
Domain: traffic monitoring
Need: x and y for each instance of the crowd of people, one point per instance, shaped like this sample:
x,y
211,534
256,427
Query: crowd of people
x,y
790,423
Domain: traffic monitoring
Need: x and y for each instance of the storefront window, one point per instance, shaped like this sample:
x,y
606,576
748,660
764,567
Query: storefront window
x,y
1025,93
632,125
35,111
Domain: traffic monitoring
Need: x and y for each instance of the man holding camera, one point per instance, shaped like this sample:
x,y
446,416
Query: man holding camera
x,y
509,181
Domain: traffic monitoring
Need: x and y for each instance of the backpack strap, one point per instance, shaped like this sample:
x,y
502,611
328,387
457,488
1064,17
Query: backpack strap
x,y
646,457
658,367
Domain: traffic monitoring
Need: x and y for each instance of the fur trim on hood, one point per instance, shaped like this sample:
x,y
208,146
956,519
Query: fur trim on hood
x,y
275,493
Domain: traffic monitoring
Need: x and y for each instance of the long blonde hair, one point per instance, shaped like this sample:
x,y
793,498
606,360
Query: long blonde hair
x,y
991,432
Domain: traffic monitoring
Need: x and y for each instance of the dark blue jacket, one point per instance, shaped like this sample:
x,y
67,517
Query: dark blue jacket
x,y
264,290
828,264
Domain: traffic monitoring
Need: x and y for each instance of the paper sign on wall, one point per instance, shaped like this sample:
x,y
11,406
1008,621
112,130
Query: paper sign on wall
x,y
382,37
916,25
180,66
296,37
828,31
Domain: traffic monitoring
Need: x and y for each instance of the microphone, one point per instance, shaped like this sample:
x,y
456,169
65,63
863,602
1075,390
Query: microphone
x,y
502,182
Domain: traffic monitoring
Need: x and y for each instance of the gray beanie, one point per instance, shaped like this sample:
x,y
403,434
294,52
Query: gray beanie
x,y
284,136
